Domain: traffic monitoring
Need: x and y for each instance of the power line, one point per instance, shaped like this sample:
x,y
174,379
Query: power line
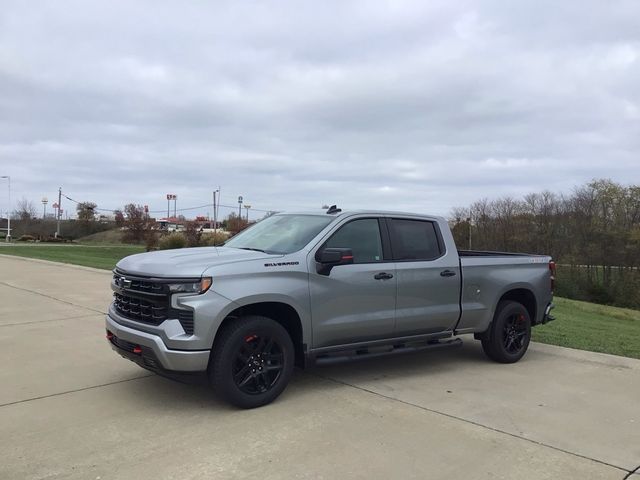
x,y
186,209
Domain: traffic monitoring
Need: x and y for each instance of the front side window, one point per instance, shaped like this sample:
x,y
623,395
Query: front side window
x,y
280,233
414,240
362,237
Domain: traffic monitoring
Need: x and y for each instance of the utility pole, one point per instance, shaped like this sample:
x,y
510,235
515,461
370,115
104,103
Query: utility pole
x,y
175,206
59,211
168,205
215,213
469,220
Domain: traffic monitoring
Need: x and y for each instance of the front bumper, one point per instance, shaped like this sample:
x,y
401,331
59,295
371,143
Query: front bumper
x,y
152,353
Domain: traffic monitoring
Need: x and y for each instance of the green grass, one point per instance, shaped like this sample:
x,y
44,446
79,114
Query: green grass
x,y
104,257
593,327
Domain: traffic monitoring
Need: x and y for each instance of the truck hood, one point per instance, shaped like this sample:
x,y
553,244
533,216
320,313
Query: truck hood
x,y
186,262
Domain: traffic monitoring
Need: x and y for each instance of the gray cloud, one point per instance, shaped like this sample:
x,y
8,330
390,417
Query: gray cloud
x,y
406,105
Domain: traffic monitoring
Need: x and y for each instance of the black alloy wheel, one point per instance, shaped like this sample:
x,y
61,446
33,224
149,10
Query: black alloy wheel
x,y
258,364
508,336
514,333
252,361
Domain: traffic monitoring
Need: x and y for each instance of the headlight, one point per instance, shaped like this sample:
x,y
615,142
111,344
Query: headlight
x,y
195,287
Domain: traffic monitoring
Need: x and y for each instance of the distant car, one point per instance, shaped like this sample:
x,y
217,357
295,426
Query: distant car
x,y
303,288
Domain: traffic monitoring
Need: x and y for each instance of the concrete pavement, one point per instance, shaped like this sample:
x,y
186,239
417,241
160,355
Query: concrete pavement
x,y
71,408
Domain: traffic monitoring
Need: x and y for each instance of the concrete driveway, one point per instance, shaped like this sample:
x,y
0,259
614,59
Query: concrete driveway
x,y
71,408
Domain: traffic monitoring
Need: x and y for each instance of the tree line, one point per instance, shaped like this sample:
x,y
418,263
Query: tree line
x,y
593,234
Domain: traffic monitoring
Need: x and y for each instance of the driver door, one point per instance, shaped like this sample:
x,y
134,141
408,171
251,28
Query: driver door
x,y
355,302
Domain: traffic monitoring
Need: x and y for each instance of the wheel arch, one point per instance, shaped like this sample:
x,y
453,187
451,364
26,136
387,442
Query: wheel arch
x,y
525,297
280,312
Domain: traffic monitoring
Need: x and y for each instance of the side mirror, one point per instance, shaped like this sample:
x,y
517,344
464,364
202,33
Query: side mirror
x,y
328,258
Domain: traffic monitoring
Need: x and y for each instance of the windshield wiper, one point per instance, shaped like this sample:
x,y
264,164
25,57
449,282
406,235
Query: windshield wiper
x,y
253,249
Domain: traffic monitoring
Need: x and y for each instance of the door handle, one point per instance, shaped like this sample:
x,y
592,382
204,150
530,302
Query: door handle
x,y
383,276
447,273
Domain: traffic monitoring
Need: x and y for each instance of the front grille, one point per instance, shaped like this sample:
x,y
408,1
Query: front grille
x,y
139,309
147,286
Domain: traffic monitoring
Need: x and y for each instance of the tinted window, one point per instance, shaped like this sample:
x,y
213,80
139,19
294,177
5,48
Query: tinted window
x,y
414,240
362,237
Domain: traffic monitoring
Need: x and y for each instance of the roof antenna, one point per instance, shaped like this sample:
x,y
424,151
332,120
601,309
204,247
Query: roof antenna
x,y
333,209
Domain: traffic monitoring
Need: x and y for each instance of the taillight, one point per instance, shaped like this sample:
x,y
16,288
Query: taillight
x,y
552,276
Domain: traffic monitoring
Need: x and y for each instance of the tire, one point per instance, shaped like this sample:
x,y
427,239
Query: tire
x,y
509,335
252,361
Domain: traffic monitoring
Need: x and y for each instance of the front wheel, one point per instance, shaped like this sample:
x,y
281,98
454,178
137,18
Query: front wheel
x,y
252,361
509,335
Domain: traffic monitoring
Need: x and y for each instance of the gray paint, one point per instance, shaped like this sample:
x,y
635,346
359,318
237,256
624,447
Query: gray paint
x,y
347,306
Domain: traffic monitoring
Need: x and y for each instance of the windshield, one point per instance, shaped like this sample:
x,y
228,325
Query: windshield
x,y
280,233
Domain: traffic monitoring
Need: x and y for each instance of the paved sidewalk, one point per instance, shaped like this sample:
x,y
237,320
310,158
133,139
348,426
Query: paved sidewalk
x,y
71,408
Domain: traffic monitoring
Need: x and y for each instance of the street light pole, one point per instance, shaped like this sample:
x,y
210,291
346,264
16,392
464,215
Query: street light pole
x,y
240,207
8,237
59,211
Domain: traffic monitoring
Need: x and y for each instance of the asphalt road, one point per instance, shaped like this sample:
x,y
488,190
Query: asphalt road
x,y
72,408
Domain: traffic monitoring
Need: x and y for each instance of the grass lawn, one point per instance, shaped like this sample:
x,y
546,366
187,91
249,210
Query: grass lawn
x,y
589,326
582,325
104,257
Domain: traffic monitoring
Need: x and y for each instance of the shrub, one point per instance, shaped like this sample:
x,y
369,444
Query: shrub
x,y
53,240
210,239
173,240
151,240
26,238
192,234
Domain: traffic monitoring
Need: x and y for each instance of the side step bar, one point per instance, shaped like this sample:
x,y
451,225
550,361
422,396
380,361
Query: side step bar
x,y
377,352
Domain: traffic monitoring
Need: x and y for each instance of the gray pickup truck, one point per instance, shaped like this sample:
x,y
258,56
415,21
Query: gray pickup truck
x,y
311,288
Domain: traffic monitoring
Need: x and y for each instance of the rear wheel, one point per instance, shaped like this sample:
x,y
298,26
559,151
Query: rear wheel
x,y
252,361
508,338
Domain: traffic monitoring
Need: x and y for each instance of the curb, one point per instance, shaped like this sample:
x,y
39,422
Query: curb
x,y
57,264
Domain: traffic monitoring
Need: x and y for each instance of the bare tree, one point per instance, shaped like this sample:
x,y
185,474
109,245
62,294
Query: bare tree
x,y
26,209
137,223
594,233
86,211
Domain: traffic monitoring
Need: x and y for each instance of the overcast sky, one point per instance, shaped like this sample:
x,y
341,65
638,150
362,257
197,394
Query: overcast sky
x,y
406,105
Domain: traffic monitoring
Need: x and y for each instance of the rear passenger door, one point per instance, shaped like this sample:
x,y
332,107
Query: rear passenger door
x,y
428,277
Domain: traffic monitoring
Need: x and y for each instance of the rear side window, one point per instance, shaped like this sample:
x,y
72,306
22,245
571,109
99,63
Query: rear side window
x,y
362,237
414,240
